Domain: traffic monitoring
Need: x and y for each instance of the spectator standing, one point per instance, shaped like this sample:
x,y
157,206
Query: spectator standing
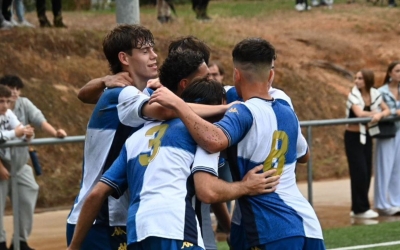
x,y
41,13
392,3
302,5
27,113
200,8
4,24
387,161
17,7
363,101
163,11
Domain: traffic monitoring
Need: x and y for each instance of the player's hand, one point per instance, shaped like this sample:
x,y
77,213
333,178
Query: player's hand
x,y
121,79
376,117
233,103
19,131
4,174
60,133
260,183
154,83
166,98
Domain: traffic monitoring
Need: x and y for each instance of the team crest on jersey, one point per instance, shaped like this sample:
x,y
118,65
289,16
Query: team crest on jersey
x,y
233,110
186,245
122,246
118,231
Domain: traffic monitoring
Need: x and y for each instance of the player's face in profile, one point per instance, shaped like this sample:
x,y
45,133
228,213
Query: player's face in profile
x,y
143,62
359,80
4,105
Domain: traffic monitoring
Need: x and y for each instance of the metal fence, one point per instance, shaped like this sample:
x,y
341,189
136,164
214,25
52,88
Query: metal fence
x,y
79,139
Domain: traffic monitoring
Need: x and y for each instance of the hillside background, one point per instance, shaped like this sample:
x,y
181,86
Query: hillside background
x,y
318,53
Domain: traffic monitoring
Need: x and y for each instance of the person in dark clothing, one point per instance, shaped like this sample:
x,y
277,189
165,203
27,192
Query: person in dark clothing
x,y
200,8
41,13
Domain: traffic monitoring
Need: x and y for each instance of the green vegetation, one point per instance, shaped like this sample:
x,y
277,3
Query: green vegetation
x,y
356,235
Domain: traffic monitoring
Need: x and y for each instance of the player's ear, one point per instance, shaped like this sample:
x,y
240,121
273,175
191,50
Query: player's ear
x,y
123,58
183,83
236,75
271,76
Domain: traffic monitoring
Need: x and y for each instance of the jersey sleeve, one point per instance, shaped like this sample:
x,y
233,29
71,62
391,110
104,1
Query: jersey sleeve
x,y
130,103
302,145
206,162
115,176
236,122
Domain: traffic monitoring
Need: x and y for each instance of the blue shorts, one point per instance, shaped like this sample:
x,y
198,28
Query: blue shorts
x,y
157,243
293,243
101,237
237,237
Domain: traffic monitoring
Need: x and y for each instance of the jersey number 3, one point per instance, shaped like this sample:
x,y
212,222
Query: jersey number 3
x,y
276,158
154,144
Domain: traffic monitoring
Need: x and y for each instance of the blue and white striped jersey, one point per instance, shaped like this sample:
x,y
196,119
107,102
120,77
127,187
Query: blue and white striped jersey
x,y
154,165
268,132
115,117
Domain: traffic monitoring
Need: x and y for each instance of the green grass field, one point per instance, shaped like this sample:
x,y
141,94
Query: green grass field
x,y
357,235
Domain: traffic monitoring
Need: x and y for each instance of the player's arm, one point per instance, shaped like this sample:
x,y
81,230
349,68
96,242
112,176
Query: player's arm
x,y
210,189
302,149
221,212
207,135
91,92
88,214
159,112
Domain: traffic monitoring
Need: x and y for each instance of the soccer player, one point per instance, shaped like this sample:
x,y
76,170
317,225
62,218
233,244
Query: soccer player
x,y
118,113
155,164
120,103
265,131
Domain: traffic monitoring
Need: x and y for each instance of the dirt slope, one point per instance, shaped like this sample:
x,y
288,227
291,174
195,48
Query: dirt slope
x,y
318,52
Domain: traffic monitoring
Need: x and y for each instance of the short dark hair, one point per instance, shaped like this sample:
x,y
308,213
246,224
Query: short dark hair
x,y
12,81
5,91
369,78
124,38
389,70
219,66
255,51
177,66
204,91
190,43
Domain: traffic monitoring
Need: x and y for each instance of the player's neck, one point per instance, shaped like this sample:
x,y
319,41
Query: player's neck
x,y
260,90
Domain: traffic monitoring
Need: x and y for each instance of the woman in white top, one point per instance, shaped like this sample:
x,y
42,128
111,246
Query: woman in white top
x,y
387,164
363,101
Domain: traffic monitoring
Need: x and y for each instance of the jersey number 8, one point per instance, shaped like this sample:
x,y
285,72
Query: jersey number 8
x,y
276,158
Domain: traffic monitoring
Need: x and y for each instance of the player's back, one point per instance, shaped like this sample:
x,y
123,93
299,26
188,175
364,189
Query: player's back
x,y
160,156
274,140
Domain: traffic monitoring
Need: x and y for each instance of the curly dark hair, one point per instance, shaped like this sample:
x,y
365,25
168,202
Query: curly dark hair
x,y
204,91
177,66
124,38
190,43
12,81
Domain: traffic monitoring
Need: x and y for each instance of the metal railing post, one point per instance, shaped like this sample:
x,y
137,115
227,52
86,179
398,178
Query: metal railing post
x,y
309,166
15,201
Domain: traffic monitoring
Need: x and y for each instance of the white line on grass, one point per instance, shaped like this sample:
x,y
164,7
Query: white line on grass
x,y
392,243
